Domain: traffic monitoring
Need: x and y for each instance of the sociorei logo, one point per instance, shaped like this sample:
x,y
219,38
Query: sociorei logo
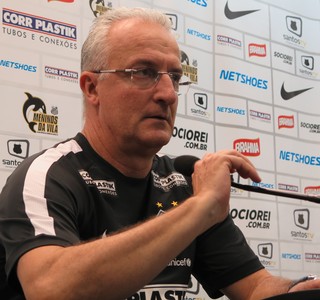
x,y
287,95
311,127
259,219
194,139
285,121
35,114
234,14
248,147
286,58
259,50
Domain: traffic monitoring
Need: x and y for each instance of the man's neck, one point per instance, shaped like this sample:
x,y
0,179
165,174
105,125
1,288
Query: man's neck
x,y
134,164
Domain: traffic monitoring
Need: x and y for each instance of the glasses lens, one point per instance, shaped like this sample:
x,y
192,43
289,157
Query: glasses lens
x,y
144,78
184,85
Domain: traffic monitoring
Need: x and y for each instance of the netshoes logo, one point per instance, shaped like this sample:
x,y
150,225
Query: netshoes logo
x,y
244,79
248,147
299,158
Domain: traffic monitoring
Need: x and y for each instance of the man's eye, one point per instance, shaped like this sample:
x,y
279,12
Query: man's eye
x,y
147,72
175,77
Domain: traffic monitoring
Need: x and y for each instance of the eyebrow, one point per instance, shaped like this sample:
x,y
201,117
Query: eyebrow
x,y
149,63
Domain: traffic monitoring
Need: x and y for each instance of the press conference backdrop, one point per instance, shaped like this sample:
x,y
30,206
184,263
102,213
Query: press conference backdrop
x,y
255,66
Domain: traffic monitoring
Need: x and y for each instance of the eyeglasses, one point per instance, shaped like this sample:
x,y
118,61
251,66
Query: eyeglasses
x,y
148,77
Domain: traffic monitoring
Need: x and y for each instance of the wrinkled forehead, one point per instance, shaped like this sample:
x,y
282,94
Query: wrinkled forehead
x,y
134,37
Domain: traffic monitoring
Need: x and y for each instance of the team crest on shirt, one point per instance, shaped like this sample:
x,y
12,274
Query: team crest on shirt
x,y
104,186
168,182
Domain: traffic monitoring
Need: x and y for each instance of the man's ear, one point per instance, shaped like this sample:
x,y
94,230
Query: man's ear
x,y
88,85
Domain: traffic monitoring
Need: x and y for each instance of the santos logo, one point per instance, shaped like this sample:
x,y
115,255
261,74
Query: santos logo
x,y
18,148
265,250
302,218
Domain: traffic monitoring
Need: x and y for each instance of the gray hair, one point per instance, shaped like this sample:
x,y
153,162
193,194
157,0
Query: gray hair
x,y
96,45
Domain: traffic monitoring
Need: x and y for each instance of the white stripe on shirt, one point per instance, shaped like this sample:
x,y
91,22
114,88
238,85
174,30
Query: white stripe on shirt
x,y
33,191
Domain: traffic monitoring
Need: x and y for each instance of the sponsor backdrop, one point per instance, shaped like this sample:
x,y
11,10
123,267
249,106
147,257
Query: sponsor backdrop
x,y
255,66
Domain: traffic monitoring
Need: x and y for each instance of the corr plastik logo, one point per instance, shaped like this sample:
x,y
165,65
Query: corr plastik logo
x,y
229,41
48,31
61,74
248,147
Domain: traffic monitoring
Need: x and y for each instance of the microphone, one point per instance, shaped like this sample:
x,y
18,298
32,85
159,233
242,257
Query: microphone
x,y
184,164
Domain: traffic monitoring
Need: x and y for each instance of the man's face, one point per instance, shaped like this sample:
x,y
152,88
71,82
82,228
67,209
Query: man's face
x,y
136,118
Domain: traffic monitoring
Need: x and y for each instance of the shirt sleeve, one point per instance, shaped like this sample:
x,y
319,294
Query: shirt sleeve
x,y
223,257
37,209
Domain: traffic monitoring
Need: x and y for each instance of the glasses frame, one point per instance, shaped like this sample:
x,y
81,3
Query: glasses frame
x,y
153,83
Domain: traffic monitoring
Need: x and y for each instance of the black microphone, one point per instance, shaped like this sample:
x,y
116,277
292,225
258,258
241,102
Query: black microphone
x,y
184,164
